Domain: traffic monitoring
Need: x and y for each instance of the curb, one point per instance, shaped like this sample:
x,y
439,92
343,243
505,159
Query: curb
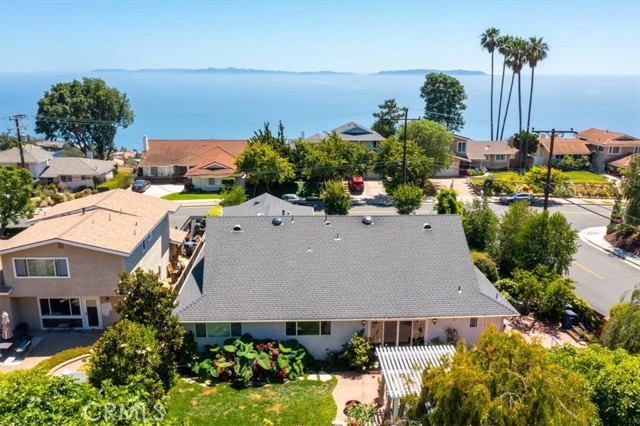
x,y
632,259
67,362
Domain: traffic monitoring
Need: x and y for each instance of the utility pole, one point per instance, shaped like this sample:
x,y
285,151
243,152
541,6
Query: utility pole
x,y
404,147
547,185
17,119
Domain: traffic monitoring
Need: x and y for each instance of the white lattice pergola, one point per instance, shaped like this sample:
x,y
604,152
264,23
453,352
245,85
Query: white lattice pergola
x,y
402,369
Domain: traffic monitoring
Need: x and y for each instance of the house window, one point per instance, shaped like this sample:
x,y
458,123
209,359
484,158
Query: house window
x,y
60,313
212,181
219,329
473,322
501,157
65,178
636,150
614,150
601,149
144,245
308,328
462,147
84,177
39,268
558,157
154,171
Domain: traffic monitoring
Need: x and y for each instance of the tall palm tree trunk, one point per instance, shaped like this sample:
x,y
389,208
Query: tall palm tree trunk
x,y
506,110
533,69
504,67
491,134
523,146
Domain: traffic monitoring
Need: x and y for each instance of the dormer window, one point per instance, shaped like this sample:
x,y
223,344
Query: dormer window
x,y
614,150
462,147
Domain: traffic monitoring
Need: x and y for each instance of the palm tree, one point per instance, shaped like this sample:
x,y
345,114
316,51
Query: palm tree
x,y
488,40
502,43
536,52
519,57
507,51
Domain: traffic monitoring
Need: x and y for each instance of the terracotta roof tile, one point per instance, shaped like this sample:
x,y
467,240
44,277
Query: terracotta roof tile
x,y
476,150
564,146
607,137
163,152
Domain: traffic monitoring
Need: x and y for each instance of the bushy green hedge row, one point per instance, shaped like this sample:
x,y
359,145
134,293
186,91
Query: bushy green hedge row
x,y
123,179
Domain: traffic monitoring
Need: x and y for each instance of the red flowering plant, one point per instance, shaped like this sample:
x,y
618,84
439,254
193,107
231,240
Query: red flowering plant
x,y
248,360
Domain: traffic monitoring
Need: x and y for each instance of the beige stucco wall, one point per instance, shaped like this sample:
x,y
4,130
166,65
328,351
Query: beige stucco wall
x,y
156,255
91,273
25,309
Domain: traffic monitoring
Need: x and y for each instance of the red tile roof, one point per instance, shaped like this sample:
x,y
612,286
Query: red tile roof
x,y
564,146
190,152
622,161
477,150
607,137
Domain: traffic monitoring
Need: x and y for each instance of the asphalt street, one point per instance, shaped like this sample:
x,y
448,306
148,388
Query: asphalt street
x,y
600,278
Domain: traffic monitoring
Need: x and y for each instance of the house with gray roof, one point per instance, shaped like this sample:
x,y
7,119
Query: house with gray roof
x,y
267,205
405,280
75,172
353,132
36,159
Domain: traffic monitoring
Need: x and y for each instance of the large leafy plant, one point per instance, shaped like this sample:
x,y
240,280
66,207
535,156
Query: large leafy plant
x,y
246,359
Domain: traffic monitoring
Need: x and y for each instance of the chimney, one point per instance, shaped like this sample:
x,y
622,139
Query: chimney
x,y
145,143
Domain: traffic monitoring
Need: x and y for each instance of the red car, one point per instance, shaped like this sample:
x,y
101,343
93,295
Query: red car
x,y
356,183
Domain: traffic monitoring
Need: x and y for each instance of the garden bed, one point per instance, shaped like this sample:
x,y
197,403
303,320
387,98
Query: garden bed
x,y
627,242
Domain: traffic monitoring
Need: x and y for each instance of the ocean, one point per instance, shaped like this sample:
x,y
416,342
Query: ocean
x,y
174,105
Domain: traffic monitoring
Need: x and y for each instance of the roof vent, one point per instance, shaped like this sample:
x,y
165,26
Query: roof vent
x,y
277,221
426,226
237,228
367,220
326,222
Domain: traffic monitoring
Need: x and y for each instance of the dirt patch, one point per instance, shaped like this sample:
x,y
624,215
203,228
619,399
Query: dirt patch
x,y
194,402
547,334
209,390
276,407
629,243
255,396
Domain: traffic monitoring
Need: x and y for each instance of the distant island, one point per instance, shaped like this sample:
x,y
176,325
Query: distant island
x,y
232,70
424,72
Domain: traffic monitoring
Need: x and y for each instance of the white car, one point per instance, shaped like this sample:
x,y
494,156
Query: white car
x,y
516,196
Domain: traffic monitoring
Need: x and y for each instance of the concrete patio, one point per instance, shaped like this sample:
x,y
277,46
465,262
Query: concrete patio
x,y
359,387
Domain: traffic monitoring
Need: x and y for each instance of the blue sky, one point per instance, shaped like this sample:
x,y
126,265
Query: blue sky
x,y
585,37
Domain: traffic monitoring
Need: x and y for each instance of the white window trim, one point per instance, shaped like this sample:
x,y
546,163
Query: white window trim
x,y
611,148
195,332
305,335
15,275
42,317
464,147
636,150
500,157
600,148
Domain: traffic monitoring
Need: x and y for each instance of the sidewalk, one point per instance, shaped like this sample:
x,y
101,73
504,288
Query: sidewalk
x,y
595,236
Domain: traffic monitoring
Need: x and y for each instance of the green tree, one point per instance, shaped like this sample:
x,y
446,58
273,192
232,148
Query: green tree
x,y
486,264
127,353
536,51
87,114
333,158
387,118
444,97
147,302
525,142
505,249
614,378
234,196
447,202
623,329
15,192
536,177
278,142
555,242
504,381
407,198
434,139
389,162
358,351
335,199
480,224
631,191
264,165
489,41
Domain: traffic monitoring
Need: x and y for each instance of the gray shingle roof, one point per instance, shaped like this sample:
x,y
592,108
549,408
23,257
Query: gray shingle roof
x,y
76,166
267,205
353,132
32,154
307,270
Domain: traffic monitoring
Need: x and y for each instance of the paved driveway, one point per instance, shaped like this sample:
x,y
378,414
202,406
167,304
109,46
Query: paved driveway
x,y
159,191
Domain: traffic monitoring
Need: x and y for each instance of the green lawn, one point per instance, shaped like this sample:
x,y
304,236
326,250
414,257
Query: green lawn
x,y
293,403
583,176
179,196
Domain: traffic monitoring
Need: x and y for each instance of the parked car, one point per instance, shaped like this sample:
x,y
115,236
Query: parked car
x,y
356,183
516,196
294,199
140,185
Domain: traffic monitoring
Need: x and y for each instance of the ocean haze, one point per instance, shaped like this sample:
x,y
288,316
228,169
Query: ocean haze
x,y
233,106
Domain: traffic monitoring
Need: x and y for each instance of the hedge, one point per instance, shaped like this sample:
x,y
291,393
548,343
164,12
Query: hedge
x,y
123,179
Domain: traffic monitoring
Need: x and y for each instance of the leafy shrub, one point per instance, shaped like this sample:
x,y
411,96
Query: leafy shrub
x,y
127,353
228,182
448,202
245,359
188,354
361,414
123,179
569,162
480,224
452,335
215,211
57,198
407,198
233,196
335,199
486,264
357,352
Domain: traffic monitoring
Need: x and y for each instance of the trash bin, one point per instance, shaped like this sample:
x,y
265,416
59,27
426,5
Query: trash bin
x,y
568,317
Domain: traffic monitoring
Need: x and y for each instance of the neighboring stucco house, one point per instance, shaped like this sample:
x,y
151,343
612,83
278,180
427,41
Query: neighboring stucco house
x,y
562,147
459,161
494,155
36,159
62,271
608,146
202,163
267,205
353,132
403,279
74,172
